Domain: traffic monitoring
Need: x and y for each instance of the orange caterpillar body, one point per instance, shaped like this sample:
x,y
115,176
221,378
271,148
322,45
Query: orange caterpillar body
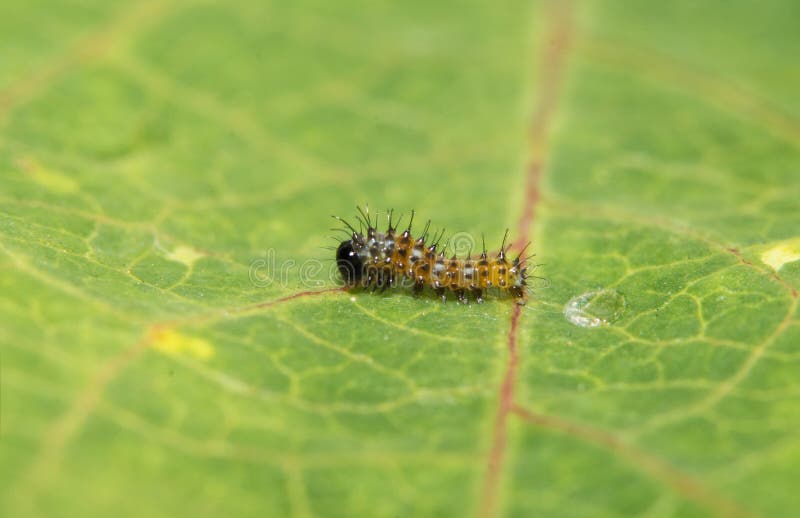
x,y
383,259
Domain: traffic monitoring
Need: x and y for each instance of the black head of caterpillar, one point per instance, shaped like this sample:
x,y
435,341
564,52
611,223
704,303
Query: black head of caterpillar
x,y
349,262
382,259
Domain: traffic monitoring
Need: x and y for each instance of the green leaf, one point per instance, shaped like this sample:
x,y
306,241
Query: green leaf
x,y
172,342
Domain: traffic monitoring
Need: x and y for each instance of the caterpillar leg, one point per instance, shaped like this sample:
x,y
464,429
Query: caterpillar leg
x,y
417,289
388,280
519,294
478,294
368,279
441,293
377,280
461,297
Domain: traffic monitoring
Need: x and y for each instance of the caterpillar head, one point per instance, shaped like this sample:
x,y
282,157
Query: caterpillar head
x,y
349,263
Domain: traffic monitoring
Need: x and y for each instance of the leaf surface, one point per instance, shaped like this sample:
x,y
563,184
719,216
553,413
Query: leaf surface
x,y
171,340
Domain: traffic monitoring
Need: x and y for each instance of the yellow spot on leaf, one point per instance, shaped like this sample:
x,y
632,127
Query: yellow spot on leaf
x,y
784,252
52,180
185,254
173,343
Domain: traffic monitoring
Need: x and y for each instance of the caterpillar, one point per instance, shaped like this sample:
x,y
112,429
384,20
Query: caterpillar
x,y
382,259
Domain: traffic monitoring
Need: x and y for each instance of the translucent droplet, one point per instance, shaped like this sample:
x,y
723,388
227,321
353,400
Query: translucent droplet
x,y
595,308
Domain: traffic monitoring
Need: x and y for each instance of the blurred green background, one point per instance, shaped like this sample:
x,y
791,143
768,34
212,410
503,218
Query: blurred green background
x,y
157,156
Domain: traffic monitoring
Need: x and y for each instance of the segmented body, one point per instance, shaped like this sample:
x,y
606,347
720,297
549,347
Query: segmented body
x,y
383,259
